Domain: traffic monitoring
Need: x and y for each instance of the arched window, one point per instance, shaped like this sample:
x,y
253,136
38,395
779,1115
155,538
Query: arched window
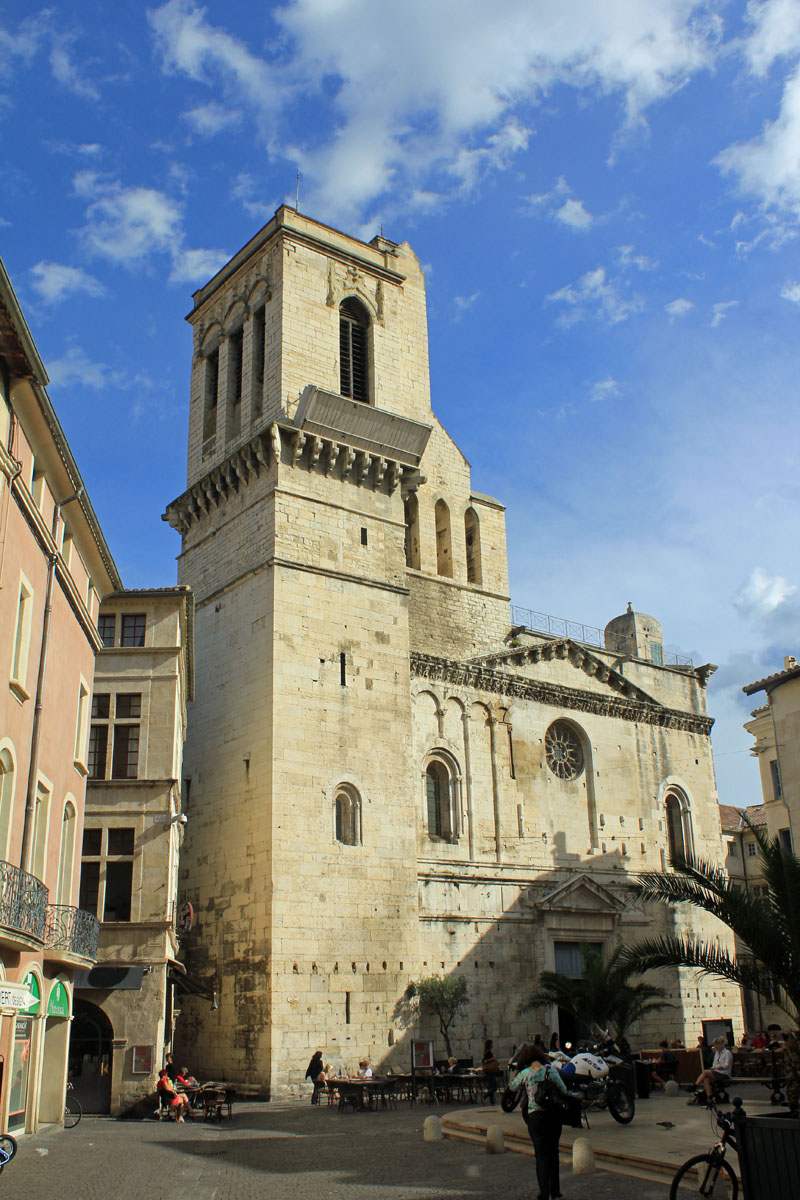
x,y
411,510
6,798
679,826
472,535
353,350
444,552
66,856
441,797
347,816
563,750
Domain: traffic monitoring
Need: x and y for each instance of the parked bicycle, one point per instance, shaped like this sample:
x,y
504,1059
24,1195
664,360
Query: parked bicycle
x,y
72,1108
8,1148
710,1174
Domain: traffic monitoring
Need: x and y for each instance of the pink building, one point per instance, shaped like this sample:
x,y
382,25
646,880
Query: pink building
x,y
55,567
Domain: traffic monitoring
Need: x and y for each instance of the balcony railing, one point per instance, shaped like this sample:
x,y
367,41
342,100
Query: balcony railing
x,y
588,635
72,930
23,902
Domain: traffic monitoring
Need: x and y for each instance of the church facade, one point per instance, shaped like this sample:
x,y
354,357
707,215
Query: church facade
x,y
386,778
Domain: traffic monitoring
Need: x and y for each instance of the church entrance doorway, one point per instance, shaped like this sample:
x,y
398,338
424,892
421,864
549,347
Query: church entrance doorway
x,y
90,1053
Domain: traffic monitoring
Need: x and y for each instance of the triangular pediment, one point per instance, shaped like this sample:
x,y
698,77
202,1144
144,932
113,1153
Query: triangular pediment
x,y
581,894
525,658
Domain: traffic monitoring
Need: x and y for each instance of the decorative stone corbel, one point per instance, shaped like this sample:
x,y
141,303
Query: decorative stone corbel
x,y
315,451
275,438
333,454
297,447
364,464
394,475
347,462
380,471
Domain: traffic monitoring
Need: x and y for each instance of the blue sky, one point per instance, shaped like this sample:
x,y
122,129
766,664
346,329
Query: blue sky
x,y
606,198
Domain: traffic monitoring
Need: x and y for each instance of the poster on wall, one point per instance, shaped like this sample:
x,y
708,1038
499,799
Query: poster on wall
x,y
422,1055
142,1060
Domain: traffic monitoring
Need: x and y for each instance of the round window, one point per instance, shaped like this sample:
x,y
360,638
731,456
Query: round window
x,y
563,750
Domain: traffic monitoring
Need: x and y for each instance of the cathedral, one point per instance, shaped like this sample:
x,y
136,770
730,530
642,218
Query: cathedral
x,y
390,773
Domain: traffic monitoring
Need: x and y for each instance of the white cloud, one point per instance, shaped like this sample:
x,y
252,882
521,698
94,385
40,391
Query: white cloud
x,y
463,303
791,291
65,71
627,258
55,281
210,119
678,308
603,389
192,266
447,95
573,214
76,367
128,226
246,192
721,310
595,297
763,594
776,32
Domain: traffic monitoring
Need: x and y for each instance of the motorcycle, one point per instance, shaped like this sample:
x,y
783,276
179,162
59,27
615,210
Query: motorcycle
x,y
587,1074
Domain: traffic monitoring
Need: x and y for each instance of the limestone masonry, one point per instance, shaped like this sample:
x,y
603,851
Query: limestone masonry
x,y
388,779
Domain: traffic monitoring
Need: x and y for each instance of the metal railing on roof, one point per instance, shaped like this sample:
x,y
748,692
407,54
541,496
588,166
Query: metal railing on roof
x,y
587,635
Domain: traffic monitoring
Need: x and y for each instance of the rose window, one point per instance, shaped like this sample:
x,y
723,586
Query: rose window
x,y
563,751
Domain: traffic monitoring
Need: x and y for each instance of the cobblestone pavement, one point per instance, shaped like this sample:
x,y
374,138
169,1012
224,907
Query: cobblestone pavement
x,y
284,1151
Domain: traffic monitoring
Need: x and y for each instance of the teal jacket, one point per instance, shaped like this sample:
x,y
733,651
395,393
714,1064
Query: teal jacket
x,y
529,1077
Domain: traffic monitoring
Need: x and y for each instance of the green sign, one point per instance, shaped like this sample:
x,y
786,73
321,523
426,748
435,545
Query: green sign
x,y
32,984
58,1004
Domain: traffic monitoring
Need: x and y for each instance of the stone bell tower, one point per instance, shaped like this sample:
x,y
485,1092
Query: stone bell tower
x,y
301,525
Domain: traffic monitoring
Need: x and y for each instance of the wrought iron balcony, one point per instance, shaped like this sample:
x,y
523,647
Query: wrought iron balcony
x,y
23,903
72,930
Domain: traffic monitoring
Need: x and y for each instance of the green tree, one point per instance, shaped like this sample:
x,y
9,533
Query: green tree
x,y
766,926
604,997
446,997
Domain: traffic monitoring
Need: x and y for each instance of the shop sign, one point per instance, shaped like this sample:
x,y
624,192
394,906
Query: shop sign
x,y
58,1004
16,995
32,984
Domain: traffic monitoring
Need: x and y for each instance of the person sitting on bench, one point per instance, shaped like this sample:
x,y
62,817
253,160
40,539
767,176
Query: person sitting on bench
x,y
720,1069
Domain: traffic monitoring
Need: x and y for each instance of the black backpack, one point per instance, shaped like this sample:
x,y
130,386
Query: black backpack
x,y
549,1096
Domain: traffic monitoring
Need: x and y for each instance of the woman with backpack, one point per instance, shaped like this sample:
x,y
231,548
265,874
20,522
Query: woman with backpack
x,y
547,1098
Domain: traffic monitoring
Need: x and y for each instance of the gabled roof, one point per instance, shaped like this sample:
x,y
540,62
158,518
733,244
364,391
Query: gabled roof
x,y
769,682
732,818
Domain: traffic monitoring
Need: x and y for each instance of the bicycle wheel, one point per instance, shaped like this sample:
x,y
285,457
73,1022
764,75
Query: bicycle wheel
x,y
9,1144
72,1112
621,1105
705,1175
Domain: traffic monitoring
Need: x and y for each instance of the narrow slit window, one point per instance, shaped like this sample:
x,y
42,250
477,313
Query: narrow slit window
x,y
259,333
343,669
211,392
353,350
363,537
347,1008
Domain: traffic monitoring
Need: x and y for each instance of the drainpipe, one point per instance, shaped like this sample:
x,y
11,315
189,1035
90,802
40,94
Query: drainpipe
x,y
26,853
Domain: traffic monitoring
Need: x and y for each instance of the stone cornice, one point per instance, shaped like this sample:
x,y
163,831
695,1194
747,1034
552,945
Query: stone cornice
x,y
287,444
626,706
578,654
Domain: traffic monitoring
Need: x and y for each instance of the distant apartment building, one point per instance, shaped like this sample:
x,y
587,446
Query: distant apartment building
x,y
124,1012
55,568
775,727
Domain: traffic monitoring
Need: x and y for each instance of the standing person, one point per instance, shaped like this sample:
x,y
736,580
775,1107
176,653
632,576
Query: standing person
x,y
170,1067
313,1072
544,1127
491,1069
555,1042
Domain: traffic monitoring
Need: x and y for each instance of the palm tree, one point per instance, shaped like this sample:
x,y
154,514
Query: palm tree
x,y
767,926
603,997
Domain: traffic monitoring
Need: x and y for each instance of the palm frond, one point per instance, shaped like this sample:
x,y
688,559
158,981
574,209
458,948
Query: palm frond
x,y
706,957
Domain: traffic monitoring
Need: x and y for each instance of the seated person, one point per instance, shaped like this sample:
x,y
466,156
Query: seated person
x,y
720,1069
665,1065
759,1042
364,1069
452,1067
185,1079
177,1101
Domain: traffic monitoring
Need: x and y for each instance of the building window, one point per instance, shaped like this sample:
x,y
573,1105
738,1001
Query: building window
x,y
347,815
441,798
353,350
563,750
82,726
751,849
107,873
731,849
6,798
444,550
679,826
107,628
411,513
41,817
125,753
98,735
657,654
569,957
66,857
235,372
210,394
133,629
22,638
785,839
37,487
775,775
472,534
258,335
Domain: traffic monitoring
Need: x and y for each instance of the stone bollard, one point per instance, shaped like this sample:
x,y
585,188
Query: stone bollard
x,y
582,1157
432,1129
671,1088
495,1142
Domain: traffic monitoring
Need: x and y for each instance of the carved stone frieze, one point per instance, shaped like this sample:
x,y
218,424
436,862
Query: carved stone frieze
x,y
483,678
